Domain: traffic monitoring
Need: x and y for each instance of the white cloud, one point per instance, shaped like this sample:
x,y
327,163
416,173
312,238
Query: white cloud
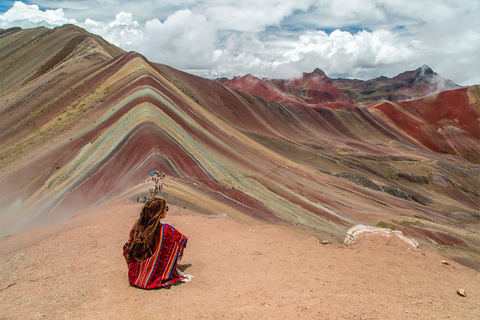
x,y
425,10
355,9
337,54
251,15
456,57
29,16
185,39
280,38
124,31
372,14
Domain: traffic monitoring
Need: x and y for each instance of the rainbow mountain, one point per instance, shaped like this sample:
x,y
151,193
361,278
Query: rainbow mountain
x,y
83,123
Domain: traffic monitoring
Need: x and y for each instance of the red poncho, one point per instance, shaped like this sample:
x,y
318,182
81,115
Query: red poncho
x,y
160,270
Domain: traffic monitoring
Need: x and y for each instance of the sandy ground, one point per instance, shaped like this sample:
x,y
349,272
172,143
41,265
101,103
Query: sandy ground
x,y
76,270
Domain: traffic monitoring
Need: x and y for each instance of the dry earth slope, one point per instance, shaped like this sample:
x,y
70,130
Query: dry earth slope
x,y
75,270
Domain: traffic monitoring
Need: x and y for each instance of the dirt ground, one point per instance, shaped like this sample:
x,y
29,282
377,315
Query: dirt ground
x,y
76,270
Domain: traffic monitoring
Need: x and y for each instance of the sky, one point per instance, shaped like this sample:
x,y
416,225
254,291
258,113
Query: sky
x,y
360,39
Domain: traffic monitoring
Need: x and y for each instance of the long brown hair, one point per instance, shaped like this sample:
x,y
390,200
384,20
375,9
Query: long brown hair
x,y
143,236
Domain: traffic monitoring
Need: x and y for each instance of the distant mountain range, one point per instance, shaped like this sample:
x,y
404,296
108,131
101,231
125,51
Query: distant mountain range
x,y
317,88
84,122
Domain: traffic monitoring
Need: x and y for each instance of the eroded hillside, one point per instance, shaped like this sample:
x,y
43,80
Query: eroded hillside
x,y
84,123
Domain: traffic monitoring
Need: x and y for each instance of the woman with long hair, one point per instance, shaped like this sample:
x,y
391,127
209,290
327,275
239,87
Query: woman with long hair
x,y
154,249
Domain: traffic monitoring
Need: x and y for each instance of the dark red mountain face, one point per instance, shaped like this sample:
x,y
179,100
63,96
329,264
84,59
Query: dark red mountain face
x,y
312,89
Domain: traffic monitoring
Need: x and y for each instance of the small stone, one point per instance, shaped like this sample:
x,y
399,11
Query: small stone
x,y
325,242
445,262
461,292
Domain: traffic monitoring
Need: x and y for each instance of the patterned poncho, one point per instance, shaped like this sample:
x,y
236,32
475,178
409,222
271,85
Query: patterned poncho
x,y
159,270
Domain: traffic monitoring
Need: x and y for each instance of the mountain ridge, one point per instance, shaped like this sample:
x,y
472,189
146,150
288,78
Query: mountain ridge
x,y
407,85
88,130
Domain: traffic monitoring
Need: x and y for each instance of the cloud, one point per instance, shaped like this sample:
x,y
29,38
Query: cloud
x,y
373,14
354,10
250,15
124,31
184,39
29,16
280,38
338,54
455,56
345,50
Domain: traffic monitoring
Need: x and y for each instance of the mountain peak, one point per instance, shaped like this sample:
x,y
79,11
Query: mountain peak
x,y
424,70
319,71
249,75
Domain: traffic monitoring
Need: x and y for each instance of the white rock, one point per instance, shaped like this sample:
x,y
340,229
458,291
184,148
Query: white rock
x,y
360,231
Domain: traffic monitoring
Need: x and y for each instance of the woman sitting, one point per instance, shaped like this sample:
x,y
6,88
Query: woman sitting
x,y
154,249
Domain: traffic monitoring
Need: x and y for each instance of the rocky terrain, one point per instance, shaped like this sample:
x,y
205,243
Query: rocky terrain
x,y
83,123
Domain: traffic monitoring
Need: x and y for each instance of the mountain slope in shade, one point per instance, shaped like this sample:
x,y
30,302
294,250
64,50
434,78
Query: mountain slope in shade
x,y
87,129
405,86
